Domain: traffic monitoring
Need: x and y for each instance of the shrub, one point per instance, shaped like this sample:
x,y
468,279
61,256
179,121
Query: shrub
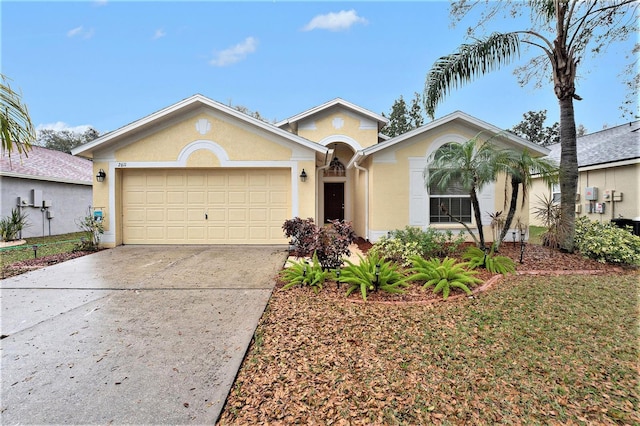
x,y
11,225
330,242
432,242
301,233
395,250
477,258
444,275
372,273
94,229
305,274
606,242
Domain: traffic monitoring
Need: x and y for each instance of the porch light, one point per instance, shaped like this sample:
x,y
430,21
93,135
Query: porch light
x,y
101,175
303,176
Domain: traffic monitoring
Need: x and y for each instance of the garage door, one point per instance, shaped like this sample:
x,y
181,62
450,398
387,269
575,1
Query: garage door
x,y
205,206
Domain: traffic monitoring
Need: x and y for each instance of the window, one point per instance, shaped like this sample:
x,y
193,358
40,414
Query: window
x,y
454,199
555,193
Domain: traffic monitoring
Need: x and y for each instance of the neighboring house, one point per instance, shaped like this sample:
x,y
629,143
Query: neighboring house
x,y
52,187
609,175
200,172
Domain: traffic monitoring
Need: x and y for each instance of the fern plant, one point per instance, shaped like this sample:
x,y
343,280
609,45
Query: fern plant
x,y
304,273
477,258
444,275
371,274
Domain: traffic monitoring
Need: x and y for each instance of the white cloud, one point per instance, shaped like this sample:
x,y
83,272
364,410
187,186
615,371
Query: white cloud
x,y
100,3
59,126
234,54
80,32
340,21
159,34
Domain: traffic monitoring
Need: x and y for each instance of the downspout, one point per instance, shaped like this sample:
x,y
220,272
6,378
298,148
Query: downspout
x,y
327,163
366,192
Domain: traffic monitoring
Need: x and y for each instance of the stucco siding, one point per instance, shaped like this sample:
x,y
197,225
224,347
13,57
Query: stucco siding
x,y
623,180
339,122
69,202
237,141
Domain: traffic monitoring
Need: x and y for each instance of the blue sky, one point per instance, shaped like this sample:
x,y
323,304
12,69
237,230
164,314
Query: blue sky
x,y
108,63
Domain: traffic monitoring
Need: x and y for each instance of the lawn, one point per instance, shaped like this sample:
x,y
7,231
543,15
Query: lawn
x,y
46,246
539,350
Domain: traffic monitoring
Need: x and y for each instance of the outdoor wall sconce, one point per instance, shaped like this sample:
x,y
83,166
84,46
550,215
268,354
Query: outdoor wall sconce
x,y
101,175
303,176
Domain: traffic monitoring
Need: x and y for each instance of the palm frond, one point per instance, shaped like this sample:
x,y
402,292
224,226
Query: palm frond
x,y
471,61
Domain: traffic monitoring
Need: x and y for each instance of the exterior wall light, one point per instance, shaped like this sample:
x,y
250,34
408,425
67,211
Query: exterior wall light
x,y
101,175
303,176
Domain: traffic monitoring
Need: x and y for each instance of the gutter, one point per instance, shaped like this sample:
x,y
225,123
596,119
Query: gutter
x,y
357,157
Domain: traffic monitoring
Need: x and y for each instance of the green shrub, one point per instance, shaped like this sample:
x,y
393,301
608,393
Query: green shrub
x,y
11,225
305,274
606,242
94,228
432,242
444,275
372,273
477,258
395,250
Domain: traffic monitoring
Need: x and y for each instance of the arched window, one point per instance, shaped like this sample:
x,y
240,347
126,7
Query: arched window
x,y
336,169
453,200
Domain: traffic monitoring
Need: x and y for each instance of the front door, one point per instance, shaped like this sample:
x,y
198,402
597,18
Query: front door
x,y
333,201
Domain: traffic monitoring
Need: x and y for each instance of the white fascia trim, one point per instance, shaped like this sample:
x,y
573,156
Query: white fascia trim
x,y
189,101
341,138
448,118
45,178
609,165
337,101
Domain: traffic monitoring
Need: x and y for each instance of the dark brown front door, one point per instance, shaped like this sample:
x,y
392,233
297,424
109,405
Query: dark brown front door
x,y
333,201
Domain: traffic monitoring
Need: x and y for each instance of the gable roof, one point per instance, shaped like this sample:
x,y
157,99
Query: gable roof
x,y
186,105
456,116
47,164
292,121
607,146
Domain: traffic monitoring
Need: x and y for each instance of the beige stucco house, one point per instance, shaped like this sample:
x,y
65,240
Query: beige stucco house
x,y
200,172
608,175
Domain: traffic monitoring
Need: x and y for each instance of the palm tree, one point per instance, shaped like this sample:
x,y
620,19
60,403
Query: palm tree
x,y
471,165
16,129
518,169
573,24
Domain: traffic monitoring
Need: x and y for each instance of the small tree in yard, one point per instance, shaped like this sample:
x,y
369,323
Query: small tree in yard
x,y
470,165
94,229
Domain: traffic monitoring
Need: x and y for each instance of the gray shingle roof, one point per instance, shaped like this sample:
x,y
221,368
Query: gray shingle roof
x,y
47,164
606,146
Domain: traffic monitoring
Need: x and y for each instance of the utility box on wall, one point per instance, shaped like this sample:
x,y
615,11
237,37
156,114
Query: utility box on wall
x,y
591,193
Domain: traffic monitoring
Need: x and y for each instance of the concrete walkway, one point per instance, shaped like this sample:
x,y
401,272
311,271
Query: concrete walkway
x,y
135,334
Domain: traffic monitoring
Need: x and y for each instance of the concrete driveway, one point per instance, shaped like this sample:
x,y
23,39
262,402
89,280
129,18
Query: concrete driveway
x,y
135,334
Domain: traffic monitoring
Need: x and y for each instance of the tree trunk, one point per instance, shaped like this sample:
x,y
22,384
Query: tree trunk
x,y
477,214
513,205
568,174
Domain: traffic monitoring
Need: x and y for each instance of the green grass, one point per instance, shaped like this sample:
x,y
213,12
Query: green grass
x,y
47,246
535,234
535,350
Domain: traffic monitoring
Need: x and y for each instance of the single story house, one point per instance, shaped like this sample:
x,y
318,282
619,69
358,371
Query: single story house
x,y
200,172
53,188
608,175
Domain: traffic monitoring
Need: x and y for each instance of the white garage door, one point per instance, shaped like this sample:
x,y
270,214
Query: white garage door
x,y
205,206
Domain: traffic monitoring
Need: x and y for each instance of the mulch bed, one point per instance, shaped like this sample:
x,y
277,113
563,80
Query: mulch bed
x,y
18,268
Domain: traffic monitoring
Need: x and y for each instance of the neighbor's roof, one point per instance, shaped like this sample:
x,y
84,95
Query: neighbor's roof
x,y
620,143
46,164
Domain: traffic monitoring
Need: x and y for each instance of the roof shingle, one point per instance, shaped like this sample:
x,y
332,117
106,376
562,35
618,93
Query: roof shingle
x,y
47,164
